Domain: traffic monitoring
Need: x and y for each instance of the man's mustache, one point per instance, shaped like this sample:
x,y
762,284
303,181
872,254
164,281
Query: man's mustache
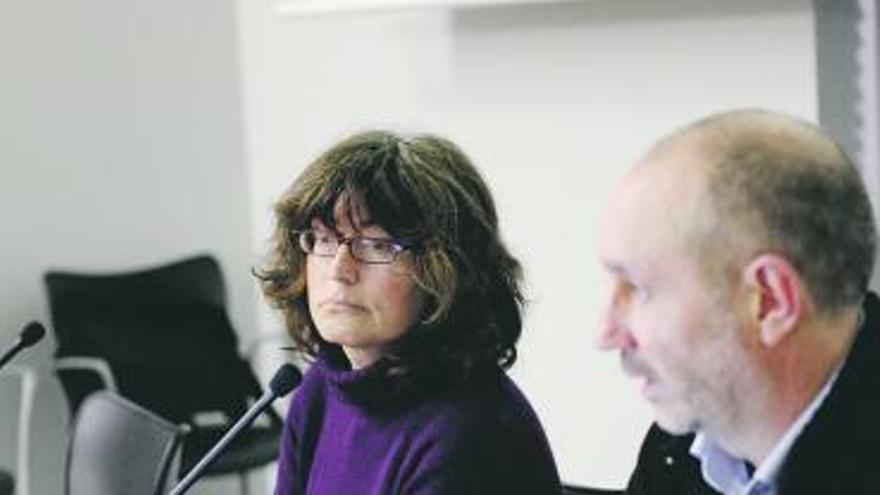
x,y
633,366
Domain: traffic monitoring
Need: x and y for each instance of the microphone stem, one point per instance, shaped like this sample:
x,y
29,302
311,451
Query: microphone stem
x,y
230,435
10,353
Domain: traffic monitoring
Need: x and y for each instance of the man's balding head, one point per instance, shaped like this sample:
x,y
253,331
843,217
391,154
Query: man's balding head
x,y
778,184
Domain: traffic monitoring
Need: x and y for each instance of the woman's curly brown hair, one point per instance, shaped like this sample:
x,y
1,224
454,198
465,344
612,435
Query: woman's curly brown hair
x,y
424,191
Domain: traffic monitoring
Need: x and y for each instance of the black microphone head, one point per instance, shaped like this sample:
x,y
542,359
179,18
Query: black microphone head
x,y
286,379
32,333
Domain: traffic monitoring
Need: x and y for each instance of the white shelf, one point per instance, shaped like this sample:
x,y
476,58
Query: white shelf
x,y
285,8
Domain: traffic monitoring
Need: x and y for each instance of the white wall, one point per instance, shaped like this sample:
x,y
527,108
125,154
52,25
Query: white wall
x,y
120,146
553,102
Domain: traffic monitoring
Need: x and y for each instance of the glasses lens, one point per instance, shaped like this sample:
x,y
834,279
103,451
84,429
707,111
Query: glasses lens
x,y
323,243
371,250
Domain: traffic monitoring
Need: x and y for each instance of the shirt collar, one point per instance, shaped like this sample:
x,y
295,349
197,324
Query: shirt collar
x,y
728,474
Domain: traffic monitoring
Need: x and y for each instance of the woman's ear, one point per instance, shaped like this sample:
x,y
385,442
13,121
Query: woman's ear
x,y
776,297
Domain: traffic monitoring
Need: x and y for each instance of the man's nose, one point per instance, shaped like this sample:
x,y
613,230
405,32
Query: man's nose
x,y
613,332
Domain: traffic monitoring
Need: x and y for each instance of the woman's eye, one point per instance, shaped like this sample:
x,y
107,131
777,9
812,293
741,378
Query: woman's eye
x,y
379,245
324,239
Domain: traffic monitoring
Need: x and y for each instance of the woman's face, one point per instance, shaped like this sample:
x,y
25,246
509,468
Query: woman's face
x,y
360,306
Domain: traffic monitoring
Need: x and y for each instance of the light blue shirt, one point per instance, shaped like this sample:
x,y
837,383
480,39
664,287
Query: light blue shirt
x,y
728,474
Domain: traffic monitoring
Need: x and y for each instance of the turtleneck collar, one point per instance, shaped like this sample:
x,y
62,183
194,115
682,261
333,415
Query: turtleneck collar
x,y
337,370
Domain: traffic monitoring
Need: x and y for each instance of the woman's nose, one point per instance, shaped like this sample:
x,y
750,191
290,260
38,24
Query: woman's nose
x,y
343,266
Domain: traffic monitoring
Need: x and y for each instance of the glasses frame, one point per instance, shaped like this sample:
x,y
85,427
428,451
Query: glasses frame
x,y
297,238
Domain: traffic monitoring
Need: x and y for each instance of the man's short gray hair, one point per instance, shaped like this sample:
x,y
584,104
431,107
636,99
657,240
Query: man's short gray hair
x,y
790,189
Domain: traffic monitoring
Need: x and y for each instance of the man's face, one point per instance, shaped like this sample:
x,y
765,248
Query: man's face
x,y
675,330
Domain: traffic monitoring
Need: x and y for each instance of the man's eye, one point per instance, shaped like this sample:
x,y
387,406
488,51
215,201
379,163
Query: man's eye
x,y
632,290
641,292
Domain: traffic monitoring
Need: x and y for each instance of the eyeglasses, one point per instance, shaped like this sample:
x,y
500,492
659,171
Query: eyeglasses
x,y
373,250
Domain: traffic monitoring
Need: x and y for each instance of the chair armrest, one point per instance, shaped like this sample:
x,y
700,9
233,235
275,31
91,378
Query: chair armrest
x,y
28,378
85,363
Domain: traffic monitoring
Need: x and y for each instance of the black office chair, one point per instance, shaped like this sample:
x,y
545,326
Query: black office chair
x,y
582,490
119,447
161,337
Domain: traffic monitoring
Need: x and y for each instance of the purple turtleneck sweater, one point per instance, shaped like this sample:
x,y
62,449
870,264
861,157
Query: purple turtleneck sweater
x,y
479,438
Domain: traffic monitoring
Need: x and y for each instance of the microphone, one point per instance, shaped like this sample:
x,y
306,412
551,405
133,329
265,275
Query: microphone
x,y
286,379
30,335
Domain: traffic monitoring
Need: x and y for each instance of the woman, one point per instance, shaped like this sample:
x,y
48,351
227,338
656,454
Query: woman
x,y
392,277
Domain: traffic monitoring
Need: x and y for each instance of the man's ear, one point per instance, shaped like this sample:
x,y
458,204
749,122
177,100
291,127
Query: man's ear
x,y
776,297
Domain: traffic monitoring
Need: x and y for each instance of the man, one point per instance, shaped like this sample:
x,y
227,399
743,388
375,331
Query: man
x,y
740,250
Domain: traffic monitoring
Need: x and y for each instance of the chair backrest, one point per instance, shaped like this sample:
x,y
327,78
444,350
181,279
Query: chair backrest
x,y
119,447
7,484
163,331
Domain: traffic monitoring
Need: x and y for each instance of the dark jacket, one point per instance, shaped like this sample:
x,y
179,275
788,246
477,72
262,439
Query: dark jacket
x,y
838,452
